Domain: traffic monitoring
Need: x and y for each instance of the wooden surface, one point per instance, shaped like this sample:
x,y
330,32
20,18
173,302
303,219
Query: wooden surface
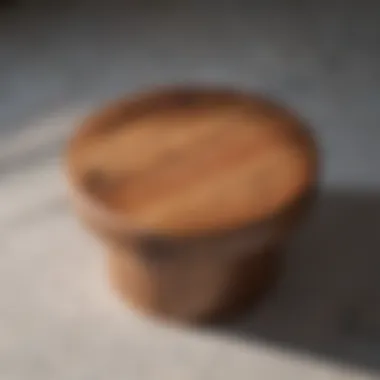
x,y
186,161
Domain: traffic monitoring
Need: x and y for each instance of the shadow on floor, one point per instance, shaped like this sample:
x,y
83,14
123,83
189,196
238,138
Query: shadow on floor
x,y
327,302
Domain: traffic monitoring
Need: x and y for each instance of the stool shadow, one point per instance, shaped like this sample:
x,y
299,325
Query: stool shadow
x,y
327,302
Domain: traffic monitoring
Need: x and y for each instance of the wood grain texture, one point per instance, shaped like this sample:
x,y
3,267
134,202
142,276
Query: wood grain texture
x,y
191,161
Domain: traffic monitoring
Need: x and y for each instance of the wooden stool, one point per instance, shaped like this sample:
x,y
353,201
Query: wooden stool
x,y
193,191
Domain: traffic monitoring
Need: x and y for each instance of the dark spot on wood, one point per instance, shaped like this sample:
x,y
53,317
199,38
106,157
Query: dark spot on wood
x,y
95,181
186,100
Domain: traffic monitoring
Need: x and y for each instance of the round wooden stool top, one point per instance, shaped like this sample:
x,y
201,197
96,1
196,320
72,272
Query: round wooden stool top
x,y
188,161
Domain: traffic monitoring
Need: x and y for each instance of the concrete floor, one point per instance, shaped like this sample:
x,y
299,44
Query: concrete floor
x,y
58,319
